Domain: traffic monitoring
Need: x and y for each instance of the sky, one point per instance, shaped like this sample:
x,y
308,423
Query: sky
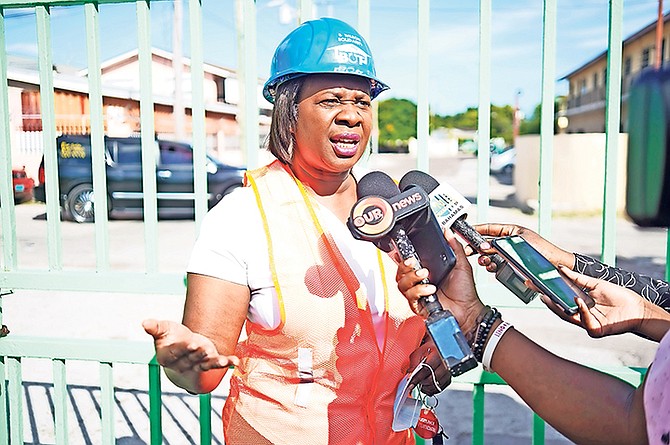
x,y
516,64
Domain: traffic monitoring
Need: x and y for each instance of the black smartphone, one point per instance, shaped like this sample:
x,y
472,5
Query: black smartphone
x,y
541,272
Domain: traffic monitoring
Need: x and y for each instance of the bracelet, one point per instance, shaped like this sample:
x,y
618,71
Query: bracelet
x,y
493,342
482,334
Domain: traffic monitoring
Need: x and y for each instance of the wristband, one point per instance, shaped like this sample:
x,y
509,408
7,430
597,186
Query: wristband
x,y
490,347
482,333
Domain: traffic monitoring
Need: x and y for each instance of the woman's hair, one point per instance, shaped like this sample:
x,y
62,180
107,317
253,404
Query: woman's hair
x,y
281,139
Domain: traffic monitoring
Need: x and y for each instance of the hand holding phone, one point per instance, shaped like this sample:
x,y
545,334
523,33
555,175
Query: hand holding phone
x,y
547,278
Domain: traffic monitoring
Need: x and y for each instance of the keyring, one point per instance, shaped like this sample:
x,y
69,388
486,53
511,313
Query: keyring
x,y
434,402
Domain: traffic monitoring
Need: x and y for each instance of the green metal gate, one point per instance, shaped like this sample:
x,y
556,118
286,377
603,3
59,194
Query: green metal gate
x,y
103,277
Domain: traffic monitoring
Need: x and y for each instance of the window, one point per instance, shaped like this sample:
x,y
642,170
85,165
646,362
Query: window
x,y
129,153
645,58
176,154
595,81
627,64
582,86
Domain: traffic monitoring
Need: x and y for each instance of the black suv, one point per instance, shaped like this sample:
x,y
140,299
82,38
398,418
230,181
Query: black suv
x,y
174,176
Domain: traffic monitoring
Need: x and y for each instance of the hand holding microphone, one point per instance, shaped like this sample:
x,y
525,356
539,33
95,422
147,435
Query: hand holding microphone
x,y
450,209
388,218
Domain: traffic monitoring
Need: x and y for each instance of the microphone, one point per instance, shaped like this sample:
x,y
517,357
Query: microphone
x,y
385,216
450,209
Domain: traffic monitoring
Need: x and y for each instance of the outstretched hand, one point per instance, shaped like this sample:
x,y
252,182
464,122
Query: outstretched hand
x,y
617,309
180,349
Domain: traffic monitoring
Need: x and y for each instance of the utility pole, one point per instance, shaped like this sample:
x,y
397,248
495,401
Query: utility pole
x,y
516,118
659,36
178,68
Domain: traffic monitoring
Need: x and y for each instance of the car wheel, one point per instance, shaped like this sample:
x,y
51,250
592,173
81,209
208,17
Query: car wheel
x,y
79,205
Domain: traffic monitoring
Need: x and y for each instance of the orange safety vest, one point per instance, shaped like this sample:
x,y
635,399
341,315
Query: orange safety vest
x,y
320,376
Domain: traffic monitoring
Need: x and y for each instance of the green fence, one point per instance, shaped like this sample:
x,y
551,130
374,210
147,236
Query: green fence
x,y
152,280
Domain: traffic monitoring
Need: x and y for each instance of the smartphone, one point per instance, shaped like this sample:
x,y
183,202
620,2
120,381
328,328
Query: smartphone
x,y
541,272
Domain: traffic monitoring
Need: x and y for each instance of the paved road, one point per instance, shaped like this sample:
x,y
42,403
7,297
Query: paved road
x,y
74,314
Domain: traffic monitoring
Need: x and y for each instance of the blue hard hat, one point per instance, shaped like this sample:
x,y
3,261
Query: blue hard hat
x,y
324,45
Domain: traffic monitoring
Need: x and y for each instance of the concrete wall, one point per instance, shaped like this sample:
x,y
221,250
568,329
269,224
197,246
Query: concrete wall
x,y
578,172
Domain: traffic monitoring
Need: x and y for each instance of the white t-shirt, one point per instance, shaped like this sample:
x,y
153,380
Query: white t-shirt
x,y
232,246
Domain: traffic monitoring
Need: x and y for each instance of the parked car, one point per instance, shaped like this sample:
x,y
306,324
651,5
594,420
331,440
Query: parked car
x,y
23,185
123,156
502,163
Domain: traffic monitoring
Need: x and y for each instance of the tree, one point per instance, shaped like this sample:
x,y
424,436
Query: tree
x,y
397,122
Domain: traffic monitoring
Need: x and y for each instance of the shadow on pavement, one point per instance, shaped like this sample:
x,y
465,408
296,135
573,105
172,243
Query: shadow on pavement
x,y
180,414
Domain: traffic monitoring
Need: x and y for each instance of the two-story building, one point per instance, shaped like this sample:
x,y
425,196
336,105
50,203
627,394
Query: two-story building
x,y
585,104
121,104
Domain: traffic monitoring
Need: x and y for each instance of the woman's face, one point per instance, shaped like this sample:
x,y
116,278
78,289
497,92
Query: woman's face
x,y
334,122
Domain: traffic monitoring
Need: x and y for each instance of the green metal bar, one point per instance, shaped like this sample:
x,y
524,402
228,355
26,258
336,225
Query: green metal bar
x,y
478,393
484,110
547,118
246,54
612,125
60,401
149,146
45,62
7,212
306,10
107,403
98,160
423,79
112,351
128,282
155,404
364,29
4,403
15,391
538,430
205,419
198,111
28,3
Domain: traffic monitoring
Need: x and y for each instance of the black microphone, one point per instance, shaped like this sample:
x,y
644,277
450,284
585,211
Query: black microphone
x,y
450,209
386,216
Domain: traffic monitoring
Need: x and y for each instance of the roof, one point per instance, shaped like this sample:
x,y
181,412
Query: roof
x,y
603,55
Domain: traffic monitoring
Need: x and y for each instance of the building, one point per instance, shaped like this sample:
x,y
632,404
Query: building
x,y
121,104
585,104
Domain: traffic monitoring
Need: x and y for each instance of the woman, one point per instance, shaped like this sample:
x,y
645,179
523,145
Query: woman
x,y
328,336
585,405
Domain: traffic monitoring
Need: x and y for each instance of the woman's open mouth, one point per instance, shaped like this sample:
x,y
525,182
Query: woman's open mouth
x,y
346,145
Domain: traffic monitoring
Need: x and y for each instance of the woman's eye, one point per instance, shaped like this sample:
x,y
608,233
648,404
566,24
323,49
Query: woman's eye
x,y
330,102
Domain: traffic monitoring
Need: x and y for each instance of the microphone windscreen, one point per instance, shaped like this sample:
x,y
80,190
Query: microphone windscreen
x,y
417,177
377,183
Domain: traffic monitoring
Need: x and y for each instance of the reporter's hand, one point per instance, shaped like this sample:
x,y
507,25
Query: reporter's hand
x,y
554,254
617,309
440,374
456,292
180,349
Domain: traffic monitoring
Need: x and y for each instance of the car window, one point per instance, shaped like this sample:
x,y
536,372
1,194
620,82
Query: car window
x,y
129,153
176,154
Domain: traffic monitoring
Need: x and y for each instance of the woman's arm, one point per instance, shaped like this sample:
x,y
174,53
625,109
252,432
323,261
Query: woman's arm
x,y
197,353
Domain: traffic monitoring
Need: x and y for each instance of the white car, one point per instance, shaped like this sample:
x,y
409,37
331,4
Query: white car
x,y
503,163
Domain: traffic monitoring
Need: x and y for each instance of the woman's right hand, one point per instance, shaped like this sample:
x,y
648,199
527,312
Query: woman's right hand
x,y
553,253
456,292
182,350
617,309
